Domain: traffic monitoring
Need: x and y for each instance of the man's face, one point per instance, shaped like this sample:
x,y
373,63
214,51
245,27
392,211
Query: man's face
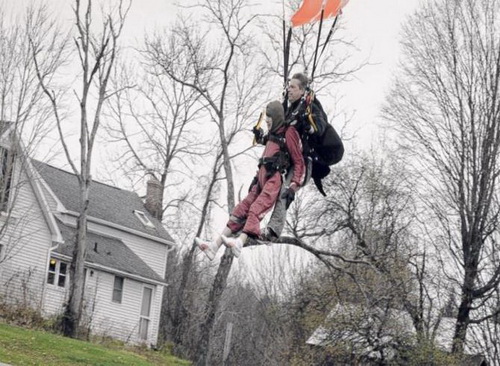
x,y
294,90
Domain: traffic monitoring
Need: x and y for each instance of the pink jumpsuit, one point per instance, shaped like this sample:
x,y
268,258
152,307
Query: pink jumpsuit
x,y
262,197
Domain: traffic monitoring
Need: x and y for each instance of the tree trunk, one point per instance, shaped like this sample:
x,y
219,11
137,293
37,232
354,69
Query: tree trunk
x,y
73,311
213,301
461,326
467,298
179,312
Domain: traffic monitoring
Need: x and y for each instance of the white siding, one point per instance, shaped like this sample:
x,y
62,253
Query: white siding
x,y
26,245
54,299
118,320
155,313
121,321
23,271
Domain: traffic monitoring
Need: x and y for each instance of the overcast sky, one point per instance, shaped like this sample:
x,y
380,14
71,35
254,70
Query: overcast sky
x,y
374,25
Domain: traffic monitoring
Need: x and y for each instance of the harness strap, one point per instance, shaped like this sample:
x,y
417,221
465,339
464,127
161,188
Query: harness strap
x,y
279,139
279,162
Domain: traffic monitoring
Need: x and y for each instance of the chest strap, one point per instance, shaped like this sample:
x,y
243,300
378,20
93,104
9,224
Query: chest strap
x,y
279,162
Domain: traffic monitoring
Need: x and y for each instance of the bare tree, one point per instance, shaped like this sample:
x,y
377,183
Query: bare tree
x,y
155,121
361,238
445,104
21,97
483,339
23,122
228,83
179,309
361,252
367,234
97,53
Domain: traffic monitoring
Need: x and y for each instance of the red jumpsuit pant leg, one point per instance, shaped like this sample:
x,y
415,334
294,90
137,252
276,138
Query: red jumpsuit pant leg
x,y
240,213
262,204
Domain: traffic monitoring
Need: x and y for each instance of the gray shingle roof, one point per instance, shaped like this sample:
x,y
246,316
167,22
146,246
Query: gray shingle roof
x,y
107,203
106,251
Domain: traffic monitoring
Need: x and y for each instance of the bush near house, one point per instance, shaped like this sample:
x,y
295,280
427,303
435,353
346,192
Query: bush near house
x,y
21,346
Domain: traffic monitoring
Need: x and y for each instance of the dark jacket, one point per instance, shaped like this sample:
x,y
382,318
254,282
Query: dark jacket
x,y
295,115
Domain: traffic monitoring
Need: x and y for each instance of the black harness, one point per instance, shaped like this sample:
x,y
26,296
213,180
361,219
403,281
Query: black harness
x,y
279,162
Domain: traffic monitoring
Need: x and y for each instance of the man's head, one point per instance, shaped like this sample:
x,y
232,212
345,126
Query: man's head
x,y
275,116
297,87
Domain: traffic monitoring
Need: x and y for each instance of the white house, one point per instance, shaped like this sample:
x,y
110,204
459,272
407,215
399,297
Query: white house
x,y
127,247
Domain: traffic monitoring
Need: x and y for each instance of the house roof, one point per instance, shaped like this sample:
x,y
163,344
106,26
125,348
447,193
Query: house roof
x,y
107,252
360,326
107,203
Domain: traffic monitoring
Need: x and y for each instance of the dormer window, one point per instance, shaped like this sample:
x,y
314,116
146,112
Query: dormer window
x,y
143,218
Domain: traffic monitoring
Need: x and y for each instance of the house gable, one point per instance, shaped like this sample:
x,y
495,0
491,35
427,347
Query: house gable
x,y
26,236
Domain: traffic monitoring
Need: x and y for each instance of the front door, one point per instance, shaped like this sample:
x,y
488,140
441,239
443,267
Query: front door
x,y
144,320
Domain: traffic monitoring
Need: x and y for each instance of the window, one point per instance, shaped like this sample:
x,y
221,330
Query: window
x,y
118,290
58,271
143,218
6,168
147,297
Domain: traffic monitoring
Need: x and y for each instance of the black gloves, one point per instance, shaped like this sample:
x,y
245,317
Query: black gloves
x,y
258,133
289,195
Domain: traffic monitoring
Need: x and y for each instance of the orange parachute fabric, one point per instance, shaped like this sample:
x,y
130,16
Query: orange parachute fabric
x,y
310,11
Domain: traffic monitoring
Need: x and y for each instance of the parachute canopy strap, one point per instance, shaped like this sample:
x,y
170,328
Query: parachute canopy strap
x,y
285,66
286,59
317,43
286,56
329,35
284,47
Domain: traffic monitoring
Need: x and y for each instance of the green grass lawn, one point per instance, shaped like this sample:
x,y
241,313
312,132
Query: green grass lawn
x,y
19,346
